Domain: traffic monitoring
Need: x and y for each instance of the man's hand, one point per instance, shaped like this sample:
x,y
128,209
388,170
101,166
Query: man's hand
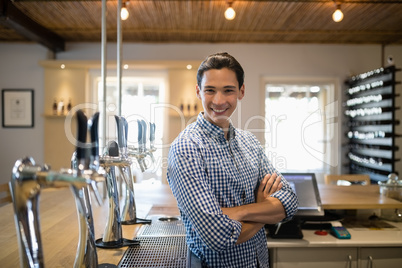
x,y
269,185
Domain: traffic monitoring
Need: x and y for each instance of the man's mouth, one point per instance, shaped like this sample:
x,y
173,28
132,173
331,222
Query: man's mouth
x,y
218,111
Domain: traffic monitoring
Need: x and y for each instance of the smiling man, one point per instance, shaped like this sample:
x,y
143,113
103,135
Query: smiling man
x,y
225,187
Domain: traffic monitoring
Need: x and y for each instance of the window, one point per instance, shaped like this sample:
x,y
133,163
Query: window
x,y
139,95
301,126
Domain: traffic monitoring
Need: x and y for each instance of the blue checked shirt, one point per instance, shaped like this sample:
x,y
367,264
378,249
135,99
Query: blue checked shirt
x,y
207,172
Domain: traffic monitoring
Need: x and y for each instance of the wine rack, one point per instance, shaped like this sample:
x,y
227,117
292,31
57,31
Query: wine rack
x,y
370,122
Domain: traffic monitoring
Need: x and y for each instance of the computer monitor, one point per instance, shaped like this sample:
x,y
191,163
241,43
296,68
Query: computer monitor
x,y
305,186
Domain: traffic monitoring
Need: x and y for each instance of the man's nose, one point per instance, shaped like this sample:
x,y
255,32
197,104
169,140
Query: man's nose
x,y
219,98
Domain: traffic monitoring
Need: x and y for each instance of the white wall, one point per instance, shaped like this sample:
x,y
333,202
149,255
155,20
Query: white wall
x,y
19,69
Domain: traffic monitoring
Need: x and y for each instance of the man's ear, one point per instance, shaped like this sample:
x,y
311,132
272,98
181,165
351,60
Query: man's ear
x,y
197,88
242,91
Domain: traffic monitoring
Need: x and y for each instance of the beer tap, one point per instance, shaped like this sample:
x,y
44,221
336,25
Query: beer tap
x,y
112,236
152,148
26,183
85,159
140,153
128,213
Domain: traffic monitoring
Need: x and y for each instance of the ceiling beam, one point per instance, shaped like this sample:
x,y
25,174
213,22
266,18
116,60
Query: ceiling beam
x,y
13,18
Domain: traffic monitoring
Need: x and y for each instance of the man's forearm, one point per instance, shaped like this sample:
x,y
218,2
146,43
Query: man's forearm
x,y
248,230
270,211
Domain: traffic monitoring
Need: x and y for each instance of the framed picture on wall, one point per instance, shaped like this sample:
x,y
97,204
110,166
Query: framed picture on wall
x,y
17,108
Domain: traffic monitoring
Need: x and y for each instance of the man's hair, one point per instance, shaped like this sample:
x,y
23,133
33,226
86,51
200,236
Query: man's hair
x,y
219,61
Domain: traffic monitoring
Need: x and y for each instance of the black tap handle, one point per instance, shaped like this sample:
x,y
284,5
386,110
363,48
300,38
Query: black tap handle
x,y
113,149
125,127
82,125
151,132
94,134
120,132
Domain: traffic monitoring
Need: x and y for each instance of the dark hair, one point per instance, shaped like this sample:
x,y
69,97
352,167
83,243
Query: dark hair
x,y
220,61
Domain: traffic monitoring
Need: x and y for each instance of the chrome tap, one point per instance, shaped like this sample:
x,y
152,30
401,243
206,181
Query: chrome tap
x,y
112,236
128,213
86,159
139,153
26,183
142,152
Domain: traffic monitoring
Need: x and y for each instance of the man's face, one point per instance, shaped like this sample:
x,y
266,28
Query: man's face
x,y
219,94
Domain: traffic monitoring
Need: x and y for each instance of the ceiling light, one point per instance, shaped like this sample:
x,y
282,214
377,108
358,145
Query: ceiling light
x,y
124,12
337,16
230,14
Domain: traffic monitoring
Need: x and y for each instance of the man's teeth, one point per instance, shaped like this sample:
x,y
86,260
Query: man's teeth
x,y
219,111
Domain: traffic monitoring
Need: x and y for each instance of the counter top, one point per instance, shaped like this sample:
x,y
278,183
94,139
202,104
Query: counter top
x,y
355,197
58,217
391,237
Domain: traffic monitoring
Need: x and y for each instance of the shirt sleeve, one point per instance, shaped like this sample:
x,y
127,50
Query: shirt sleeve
x,y
188,179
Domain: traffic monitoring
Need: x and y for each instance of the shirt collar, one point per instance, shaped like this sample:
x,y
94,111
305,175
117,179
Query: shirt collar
x,y
213,130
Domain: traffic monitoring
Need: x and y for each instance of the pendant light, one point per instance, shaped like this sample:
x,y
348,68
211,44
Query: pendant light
x,y
124,12
337,16
230,14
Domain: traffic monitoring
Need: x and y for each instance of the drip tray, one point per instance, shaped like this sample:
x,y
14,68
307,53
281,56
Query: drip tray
x,y
162,244
163,226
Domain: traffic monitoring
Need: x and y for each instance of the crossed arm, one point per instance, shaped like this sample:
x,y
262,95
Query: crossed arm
x,y
266,209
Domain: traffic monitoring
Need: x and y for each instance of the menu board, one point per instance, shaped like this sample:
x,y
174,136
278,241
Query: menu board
x,y
370,122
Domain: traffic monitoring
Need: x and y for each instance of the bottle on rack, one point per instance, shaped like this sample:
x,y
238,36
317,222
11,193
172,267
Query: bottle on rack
x,y
189,109
182,106
54,108
61,107
69,106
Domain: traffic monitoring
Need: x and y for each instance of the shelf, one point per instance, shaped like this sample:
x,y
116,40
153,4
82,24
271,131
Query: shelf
x,y
53,116
370,128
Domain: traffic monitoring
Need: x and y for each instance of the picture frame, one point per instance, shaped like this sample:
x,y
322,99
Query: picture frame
x,y
17,108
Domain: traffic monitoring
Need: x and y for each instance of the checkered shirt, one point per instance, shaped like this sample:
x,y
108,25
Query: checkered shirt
x,y
206,172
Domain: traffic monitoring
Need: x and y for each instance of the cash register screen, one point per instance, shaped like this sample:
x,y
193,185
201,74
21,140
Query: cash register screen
x,y
305,186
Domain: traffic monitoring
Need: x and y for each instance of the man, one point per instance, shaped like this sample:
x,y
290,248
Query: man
x,y
226,188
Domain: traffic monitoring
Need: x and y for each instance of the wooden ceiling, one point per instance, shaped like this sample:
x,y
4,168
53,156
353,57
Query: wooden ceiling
x,y
53,23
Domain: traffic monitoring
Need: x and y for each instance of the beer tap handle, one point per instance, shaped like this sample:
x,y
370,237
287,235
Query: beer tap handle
x,y
120,132
144,134
152,134
93,126
82,134
94,135
113,149
125,127
139,135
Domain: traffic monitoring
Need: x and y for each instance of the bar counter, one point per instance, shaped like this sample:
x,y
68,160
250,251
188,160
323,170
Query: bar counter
x,y
355,197
59,225
59,221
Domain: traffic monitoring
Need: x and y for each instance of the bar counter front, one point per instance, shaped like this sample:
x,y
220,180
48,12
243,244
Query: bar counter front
x,y
60,234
